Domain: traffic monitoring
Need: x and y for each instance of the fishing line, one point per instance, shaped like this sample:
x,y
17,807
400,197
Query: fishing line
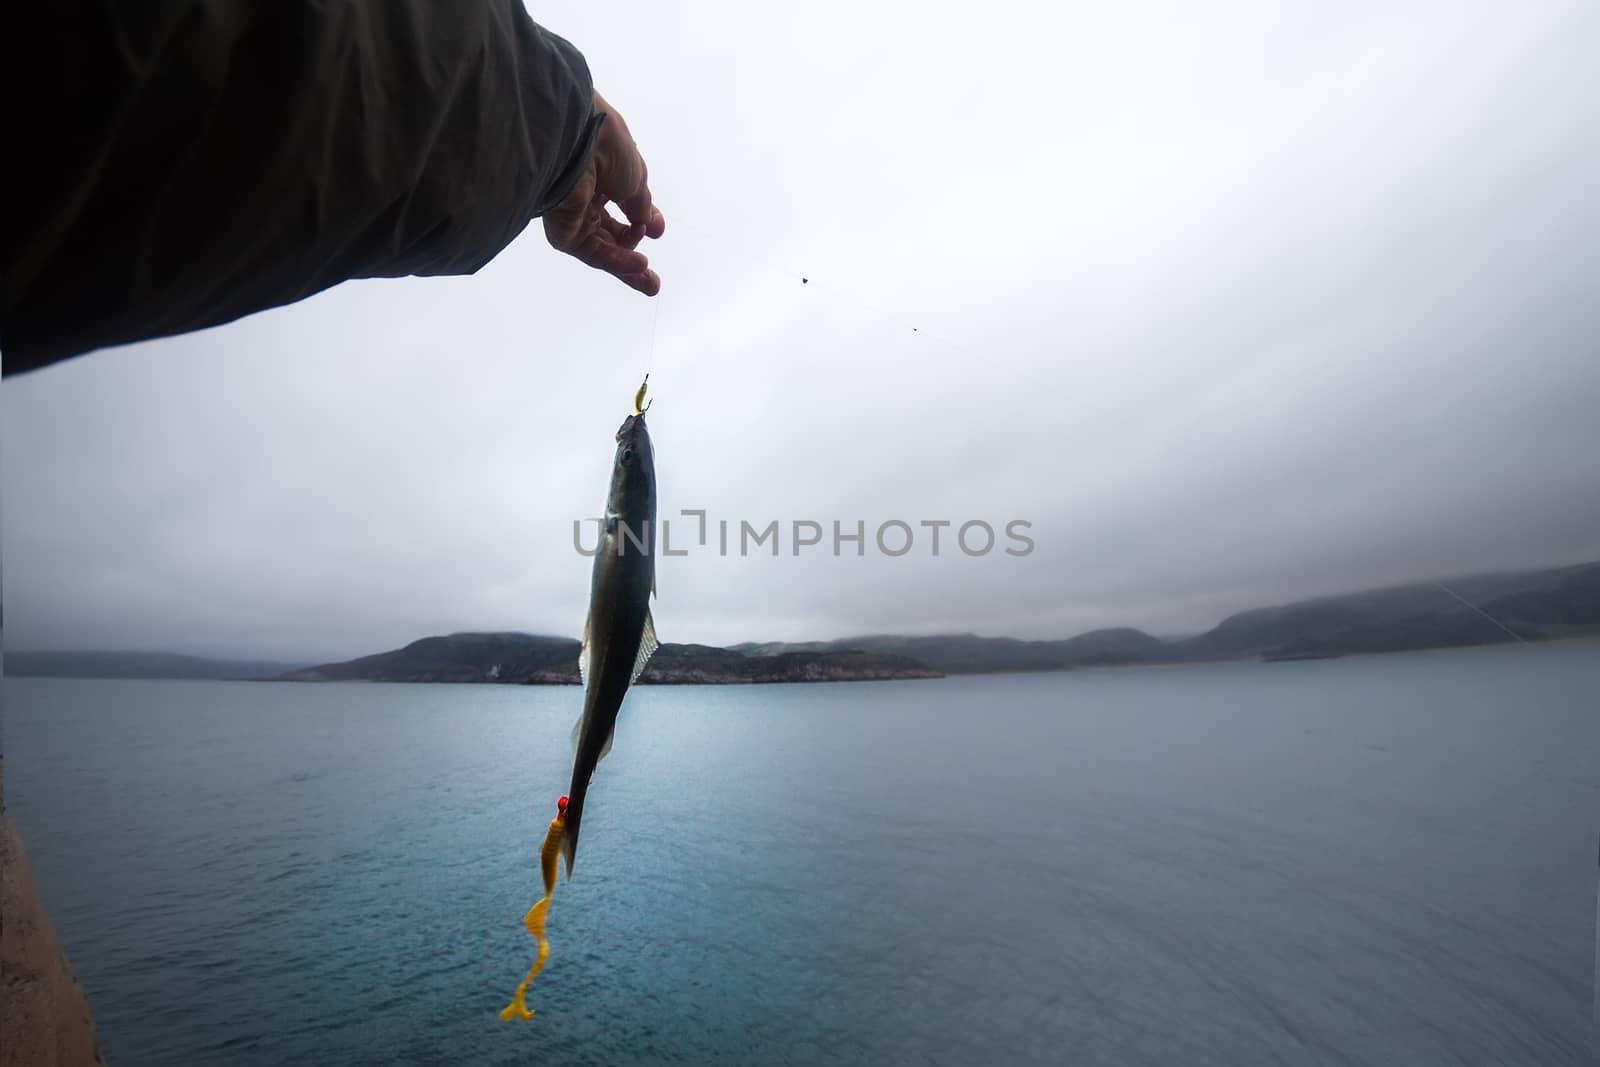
x,y
655,324
1480,611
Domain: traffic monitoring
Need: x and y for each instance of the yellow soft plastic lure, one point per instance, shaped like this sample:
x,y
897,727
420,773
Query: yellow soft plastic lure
x,y
638,398
549,855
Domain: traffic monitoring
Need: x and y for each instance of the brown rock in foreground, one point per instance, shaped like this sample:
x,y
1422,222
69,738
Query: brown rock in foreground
x,y
44,1016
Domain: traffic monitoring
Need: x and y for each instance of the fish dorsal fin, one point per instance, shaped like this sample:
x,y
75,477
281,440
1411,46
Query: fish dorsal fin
x,y
583,658
647,647
577,732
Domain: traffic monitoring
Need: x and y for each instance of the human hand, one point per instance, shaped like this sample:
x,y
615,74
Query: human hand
x,y
580,225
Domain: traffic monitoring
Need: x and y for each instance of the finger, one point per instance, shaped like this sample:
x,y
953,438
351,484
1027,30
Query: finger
x,y
638,208
631,267
647,282
657,224
612,258
625,235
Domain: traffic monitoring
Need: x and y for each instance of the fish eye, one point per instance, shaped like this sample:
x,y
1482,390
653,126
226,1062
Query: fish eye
x,y
627,455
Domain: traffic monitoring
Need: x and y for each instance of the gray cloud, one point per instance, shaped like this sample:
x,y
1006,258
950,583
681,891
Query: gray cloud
x,y
1234,310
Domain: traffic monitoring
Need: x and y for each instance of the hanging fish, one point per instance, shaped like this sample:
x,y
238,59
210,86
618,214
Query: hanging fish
x,y
534,920
618,639
619,635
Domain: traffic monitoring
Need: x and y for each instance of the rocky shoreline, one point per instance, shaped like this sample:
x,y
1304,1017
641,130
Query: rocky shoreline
x,y
525,659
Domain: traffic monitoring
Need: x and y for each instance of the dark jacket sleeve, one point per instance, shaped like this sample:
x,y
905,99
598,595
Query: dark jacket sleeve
x,y
176,165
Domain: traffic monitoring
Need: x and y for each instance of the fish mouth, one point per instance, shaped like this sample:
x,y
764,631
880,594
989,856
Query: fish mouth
x,y
630,425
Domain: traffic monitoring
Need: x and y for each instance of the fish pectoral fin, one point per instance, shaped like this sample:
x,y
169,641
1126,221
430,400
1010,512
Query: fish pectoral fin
x,y
583,656
648,643
577,738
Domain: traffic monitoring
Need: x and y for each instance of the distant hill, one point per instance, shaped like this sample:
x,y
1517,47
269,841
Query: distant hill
x,y
971,654
1572,602
513,658
466,657
1531,606
705,665
135,665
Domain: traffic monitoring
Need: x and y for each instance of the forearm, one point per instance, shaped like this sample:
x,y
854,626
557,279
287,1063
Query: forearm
x,y
179,165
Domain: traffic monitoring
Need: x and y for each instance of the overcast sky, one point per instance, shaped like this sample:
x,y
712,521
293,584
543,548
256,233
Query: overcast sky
x,y
1231,308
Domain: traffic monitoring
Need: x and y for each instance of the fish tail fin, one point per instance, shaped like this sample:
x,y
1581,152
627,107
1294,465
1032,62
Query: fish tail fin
x,y
569,837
